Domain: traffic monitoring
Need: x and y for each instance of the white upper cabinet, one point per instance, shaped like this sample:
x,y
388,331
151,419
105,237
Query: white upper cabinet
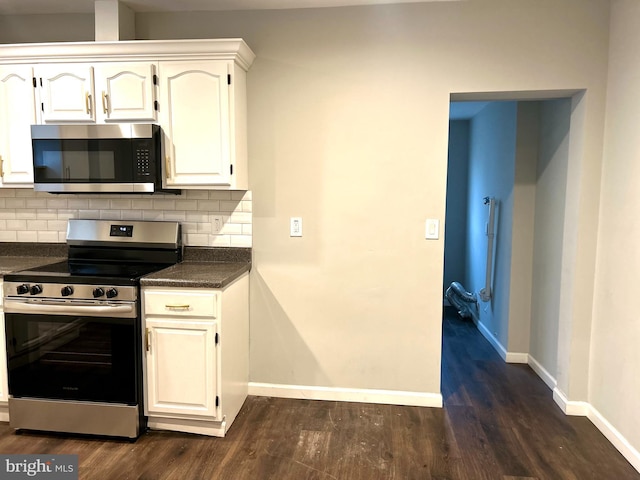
x,y
125,91
195,118
66,93
17,114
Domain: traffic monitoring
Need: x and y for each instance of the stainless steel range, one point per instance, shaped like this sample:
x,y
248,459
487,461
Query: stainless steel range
x,y
73,329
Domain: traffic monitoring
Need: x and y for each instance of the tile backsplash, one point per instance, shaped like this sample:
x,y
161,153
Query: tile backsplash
x,y
209,218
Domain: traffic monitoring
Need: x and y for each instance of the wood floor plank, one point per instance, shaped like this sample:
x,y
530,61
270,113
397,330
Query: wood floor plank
x,y
499,422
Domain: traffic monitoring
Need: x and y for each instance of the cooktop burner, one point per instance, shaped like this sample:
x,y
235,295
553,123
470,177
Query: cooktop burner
x,y
86,273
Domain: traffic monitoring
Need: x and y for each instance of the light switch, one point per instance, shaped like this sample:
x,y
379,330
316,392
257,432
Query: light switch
x,y
432,229
295,227
216,222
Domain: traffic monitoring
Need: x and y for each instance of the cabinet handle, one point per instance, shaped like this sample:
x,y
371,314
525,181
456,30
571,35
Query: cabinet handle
x,y
184,306
105,102
147,339
167,162
87,99
1,165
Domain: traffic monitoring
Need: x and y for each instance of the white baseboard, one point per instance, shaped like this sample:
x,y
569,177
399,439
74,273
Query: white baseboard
x,y
542,372
516,357
615,437
389,397
570,407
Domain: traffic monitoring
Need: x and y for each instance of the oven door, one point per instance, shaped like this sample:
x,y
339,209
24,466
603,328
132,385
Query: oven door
x,y
71,356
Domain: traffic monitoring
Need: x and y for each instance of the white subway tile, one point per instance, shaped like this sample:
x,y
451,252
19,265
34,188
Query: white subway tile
x,y
36,224
7,192
26,213
240,217
230,206
142,204
220,241
120,204
49,237
7,213
154,215
15,203
62,237
204,227
36,202
174,216
131,214
241,240
89,214
101,203
3,202
3,225
56,203
241,195
24,192
27,236
58,225
16,225
164,204
209,205
8,236
186,205
46,214
110,215
189,227
197,194
197,239
219,195
78,203
232,229
67,214
247,229
247,206
198,217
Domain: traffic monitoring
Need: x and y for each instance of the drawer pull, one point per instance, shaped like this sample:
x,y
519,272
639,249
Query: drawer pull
x,y
147,339
178,307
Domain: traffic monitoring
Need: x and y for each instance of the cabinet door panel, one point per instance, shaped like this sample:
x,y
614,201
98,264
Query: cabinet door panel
x,y
126,91
17,114
181,367
66,93
195,118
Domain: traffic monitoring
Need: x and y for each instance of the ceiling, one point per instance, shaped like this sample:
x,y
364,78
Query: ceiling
x,y
26,7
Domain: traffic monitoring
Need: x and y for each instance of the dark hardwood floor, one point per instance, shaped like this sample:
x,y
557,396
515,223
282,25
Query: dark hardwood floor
x,y
499,422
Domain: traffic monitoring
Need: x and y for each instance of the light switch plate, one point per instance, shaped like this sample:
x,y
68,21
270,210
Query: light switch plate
x,y
295,227
217,223
432,231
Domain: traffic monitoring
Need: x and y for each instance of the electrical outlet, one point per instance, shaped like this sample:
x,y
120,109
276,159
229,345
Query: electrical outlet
x,y
217,223
295,227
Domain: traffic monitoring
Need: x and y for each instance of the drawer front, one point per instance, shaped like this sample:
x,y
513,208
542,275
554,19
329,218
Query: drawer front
x,y
176,303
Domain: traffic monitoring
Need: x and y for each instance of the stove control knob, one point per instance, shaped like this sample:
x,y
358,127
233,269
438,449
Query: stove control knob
x,y
66,291
22,289
36,289
112,292
98,292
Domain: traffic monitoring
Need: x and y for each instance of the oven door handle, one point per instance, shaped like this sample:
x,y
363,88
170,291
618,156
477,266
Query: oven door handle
x,y
24,306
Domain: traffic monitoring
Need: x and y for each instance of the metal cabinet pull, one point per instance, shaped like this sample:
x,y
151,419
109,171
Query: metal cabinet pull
x,y
87,100
105,102
184,306
147,339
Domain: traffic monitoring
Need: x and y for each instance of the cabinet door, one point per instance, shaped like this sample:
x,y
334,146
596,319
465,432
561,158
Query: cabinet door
x,y
127,92
17,114
195,117
66,93
181,367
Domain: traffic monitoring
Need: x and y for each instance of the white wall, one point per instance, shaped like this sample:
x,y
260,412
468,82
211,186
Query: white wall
x,y
548,232
77,27
491,174
348,119
456,220
614,388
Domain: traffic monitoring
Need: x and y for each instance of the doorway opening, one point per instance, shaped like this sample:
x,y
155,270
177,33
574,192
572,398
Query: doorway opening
x,y
516,150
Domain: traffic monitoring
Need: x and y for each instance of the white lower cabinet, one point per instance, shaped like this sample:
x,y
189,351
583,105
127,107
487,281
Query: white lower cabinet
x,y
196,356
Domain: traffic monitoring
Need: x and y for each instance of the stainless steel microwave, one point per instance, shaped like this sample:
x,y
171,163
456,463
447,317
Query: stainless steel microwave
x,y
113,158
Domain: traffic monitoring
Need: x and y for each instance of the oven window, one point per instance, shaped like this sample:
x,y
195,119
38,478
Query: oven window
x,y
81,161
72,357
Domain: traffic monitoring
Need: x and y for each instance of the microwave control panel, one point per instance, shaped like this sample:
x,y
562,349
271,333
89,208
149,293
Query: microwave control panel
x,y
143,168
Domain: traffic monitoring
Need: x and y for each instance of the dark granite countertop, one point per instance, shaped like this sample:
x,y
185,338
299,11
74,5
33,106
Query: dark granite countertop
x,y
16,256
197,275
16,264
